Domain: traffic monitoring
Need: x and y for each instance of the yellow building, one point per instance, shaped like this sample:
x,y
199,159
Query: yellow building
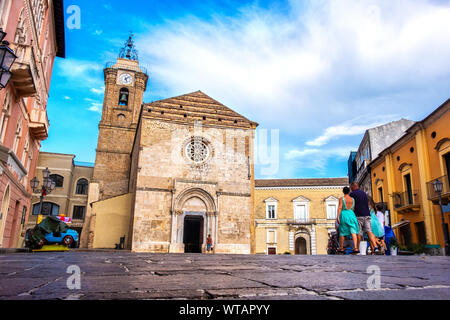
x,y
403,174
296,215
70,197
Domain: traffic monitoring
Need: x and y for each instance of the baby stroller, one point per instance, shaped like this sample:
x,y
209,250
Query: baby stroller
x,y
333,243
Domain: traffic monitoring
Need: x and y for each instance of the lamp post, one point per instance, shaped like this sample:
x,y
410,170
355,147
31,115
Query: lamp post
x,y
7,58
438,186
47,187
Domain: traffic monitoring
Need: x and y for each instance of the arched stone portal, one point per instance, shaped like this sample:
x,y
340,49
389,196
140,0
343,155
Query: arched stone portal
x,y
193,218
302,242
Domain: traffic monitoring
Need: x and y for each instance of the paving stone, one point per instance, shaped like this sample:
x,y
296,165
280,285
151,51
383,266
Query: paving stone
x,y
126,275
403,294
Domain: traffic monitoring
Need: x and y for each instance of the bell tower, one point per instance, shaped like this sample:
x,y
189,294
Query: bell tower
x,y
125,84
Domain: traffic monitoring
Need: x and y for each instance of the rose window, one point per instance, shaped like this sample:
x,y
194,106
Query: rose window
x,y
197,150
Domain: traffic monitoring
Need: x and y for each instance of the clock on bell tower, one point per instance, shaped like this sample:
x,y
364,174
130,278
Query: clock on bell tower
x,y
125,84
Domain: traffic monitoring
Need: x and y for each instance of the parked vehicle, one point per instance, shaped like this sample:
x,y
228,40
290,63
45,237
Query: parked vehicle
x,y
52,231
69,238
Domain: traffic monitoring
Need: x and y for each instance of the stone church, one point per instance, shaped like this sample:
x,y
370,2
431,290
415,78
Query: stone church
x,y
169,173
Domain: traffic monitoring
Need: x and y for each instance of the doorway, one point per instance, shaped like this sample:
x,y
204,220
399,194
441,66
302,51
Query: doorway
x,y
193,234
300,246
4,214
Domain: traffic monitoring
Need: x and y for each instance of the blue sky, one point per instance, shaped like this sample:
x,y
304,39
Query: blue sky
x,y
320,72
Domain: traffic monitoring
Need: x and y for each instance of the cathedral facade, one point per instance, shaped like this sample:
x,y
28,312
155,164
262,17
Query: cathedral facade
x,y
171,172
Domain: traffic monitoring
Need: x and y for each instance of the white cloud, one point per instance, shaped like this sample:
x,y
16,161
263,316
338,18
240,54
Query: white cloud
x,y
307,70
81,73
98,91
353,127
315,159
67,98
96,107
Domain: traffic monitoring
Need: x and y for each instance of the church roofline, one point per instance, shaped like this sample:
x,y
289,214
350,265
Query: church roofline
x,y
196,106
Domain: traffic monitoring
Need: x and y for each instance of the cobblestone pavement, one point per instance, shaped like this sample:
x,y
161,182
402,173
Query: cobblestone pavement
x,y
125,275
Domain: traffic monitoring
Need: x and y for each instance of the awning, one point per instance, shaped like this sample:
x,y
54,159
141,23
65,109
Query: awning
x,y
401,224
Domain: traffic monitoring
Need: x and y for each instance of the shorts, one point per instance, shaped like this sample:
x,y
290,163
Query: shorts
x,y
208,247
365,224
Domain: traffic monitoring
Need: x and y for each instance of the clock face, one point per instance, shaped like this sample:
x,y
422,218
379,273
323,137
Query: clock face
x,y
126,78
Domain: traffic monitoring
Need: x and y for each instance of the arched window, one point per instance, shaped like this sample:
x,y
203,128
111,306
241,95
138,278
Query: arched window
x,y
82,186
123,97
59,180
48,208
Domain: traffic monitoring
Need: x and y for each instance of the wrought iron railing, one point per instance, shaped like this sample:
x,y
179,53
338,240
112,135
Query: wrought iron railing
x,y
406,199
432,194
118,65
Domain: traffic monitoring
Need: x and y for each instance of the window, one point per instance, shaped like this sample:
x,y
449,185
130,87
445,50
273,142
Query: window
x,y
78,212
271,208
301,209
409,188
271,236
300,213
271,212
380,193
331,211
24,215
48,208
6,113
18,135
82,186
39,7
59,180
197,150
123,97
332,205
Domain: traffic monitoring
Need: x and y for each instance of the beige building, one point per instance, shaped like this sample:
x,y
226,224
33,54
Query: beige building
x,y
70,196
296,215
170,172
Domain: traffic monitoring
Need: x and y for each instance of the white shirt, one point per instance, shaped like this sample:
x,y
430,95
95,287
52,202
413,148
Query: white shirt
x,y
380,217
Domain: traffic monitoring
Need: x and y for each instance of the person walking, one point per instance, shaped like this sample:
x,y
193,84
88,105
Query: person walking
x,y
348,224
381,220
377,228
209,242
362,213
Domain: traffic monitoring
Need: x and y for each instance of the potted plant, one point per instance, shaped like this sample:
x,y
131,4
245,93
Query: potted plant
x,y
393,247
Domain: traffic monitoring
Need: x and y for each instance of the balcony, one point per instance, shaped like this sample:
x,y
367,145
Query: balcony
x,y
445,195
39,124
24,70
405,202
300,222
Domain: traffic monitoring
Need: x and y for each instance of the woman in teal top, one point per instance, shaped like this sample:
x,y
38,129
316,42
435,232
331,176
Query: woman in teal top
x,y
348,224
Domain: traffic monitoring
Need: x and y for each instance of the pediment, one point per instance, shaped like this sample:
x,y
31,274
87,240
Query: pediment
x,y
271,199
331,198
301,199
404,166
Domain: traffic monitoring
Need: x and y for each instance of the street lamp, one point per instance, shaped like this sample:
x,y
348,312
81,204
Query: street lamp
x,y
47,186
7,58
438,186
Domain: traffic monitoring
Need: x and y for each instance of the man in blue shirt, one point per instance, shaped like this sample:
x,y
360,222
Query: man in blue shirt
x,y
362,213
